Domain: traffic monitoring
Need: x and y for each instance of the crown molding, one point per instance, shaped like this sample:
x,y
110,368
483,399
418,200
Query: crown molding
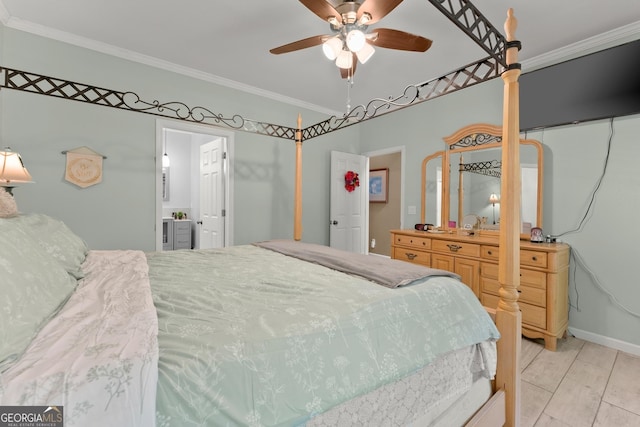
x,y
602,41
50,33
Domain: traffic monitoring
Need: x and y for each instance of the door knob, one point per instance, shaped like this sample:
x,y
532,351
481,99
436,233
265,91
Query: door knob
x,y
334,222
199,222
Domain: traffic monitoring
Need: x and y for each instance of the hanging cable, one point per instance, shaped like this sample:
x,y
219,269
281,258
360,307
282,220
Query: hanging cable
x,y
594,278
576,255
596,188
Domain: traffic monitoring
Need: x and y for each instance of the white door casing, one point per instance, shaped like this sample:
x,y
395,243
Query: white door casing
x,y
211,223
199,134
348,213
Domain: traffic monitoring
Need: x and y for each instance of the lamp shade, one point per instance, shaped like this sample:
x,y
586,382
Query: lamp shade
x,y
494,198
355,40
345,60
365,53
332,48
12,170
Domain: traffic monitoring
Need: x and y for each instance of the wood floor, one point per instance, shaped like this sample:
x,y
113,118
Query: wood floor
x,y
581,384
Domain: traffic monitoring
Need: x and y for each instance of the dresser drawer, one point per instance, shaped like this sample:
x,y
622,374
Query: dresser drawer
x,y
489,252
537,279
527,257
533,258
181,226
409,255
456,248
533,296
526,294
489,270
182,239
489,286
534,316
531,315
413,241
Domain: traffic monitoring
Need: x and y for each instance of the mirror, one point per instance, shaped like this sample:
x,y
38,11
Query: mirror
x,y
469,186
432,189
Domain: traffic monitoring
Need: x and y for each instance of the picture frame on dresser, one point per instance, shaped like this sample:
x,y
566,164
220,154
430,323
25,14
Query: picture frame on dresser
x,y
379,185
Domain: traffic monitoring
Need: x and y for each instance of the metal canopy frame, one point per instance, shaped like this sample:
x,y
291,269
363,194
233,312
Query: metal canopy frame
x,y
461,12
487,168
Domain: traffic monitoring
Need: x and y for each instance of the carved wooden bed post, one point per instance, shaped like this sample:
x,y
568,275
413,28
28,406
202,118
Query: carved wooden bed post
x,y
297,213
508,316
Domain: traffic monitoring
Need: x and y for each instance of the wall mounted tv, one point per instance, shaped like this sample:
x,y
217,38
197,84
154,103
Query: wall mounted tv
x,y
596,86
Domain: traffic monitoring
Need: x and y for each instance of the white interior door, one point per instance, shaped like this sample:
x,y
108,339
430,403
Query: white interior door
x,y
211,222
348,216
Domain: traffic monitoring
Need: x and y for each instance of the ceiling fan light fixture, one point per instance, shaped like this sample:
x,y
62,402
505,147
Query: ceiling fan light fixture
x,y
364,19
355,40
345,59
333,21
332,48
365,53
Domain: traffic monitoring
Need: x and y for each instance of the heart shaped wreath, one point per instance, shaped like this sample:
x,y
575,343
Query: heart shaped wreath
x,y
351,181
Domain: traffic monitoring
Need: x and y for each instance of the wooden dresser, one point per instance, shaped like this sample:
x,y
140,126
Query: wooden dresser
x,y
544,274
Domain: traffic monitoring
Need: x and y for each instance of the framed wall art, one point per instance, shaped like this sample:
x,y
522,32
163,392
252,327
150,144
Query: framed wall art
x,y
379,185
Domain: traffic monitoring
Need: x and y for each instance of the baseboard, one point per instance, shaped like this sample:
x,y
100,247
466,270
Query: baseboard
x,y
606,341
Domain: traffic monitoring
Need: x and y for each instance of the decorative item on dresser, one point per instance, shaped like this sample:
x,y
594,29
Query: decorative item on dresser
x,y
544,274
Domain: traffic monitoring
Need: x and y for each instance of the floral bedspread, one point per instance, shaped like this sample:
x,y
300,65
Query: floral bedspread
x,y
252,337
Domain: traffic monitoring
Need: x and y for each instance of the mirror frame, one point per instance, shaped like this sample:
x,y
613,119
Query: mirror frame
x,y
474,137
423,207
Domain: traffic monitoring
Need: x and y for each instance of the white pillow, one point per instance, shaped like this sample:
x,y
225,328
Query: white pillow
x,y
8,207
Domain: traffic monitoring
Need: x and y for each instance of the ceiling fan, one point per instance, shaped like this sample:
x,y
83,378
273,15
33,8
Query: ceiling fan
x,y
350,42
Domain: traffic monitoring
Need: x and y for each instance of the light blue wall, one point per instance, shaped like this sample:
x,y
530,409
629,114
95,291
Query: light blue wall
x,y
604,291
119,213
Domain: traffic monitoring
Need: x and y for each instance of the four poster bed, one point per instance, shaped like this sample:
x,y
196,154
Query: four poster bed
x,y
274,333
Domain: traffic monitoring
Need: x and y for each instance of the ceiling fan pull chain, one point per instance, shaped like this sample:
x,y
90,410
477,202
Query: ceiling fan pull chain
x,y
349,83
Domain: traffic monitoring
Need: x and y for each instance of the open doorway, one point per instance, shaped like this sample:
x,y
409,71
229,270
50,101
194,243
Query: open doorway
x,y
187,187
387,215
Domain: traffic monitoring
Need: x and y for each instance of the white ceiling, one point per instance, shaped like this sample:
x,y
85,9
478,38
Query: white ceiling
x,y
228,41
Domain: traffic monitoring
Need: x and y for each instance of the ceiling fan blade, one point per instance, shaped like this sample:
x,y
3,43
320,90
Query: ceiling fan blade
x,y
400,40
349,72
322,8
378,9
300,44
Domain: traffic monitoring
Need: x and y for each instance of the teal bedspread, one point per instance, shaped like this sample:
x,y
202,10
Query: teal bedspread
x,y
252,337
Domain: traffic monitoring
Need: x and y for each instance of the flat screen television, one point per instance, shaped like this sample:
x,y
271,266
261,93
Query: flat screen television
x,y
592,87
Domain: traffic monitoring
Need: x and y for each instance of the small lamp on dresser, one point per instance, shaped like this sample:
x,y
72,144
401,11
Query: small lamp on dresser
x,y
493,199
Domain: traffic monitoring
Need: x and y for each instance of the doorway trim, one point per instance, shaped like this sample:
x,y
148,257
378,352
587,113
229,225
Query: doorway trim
x,y
161,125
391,150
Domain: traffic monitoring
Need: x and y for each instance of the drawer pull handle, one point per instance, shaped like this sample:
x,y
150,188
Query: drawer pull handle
x,y
454,248
534,258
410,256
490,253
